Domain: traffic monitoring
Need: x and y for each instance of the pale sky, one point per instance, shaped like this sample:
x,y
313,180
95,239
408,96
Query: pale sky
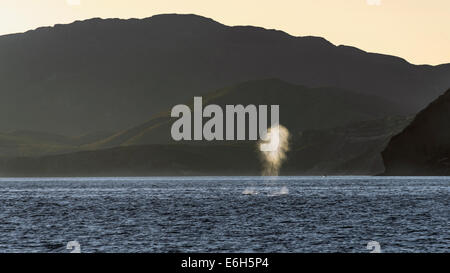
x,y
417,30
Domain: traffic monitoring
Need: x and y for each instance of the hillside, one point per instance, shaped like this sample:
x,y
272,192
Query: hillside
x,y
348,150
301,108
32,143
108,75
423,148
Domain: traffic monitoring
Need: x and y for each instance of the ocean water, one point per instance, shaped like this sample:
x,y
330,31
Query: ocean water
x,y
225,214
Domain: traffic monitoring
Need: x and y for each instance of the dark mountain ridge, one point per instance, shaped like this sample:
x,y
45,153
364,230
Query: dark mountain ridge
x,y
333,131
423,147
110,74
349,150
301,108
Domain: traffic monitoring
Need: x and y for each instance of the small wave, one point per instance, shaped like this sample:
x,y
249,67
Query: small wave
x,y
249,191
282,191
277,192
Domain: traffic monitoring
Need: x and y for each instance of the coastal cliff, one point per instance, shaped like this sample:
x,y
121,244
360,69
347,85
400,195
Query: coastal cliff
x,y
423,147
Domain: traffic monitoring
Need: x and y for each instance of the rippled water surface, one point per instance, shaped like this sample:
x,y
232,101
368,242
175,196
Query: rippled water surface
x,y
225,214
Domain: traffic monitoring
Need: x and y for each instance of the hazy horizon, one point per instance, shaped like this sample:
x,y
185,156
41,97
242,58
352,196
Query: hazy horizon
x,y
411,29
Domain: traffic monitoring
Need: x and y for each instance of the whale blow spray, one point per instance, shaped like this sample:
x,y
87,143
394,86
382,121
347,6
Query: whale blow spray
x,y
273,149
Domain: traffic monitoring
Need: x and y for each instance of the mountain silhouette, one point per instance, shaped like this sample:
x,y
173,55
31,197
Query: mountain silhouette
x,y
422,148
333,131
301,108
108,75
353,149
32,143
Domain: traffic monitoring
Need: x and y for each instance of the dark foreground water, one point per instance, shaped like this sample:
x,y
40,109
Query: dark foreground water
x,y
225,214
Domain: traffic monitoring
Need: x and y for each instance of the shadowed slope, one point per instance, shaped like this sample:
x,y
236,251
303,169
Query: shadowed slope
x,y
423,148
301,109
349,150
110,74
